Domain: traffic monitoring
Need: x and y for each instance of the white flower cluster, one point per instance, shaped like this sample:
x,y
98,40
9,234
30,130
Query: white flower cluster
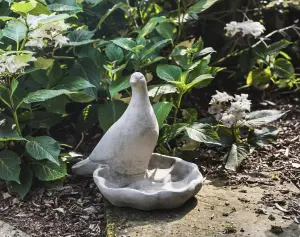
x,y
229,110
14,63
51,31
247,28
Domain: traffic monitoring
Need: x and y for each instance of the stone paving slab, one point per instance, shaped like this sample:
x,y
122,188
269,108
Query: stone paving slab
x,y
202,216
7,230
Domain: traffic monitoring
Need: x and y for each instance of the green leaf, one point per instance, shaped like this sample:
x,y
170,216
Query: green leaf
x,y
150,62
264,136
201,5
110,11
276,47
201,132
166,30
92,73
80,37
162,110
57,104
201,81
40,8
125,43
81,97
118,85
46,170
284,68
23,7
71,83
114,53
43,119
154,47
109,113
43,147
54,18
23,188
9,166
161,89
93,3
13,86
7,18
43,63
43,95
54,74
236,155
261,117
172,131
259,78
189,115
63,8
168,73
15,30
150,26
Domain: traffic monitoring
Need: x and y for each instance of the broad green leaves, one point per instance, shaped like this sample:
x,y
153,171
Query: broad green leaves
x,y
9,166
26,177
43,95
23,7
201,5
202,133
118,85
284,68
125,43
109,113
80,37
15,30
46,170
114,53
235,156
261,117
43,147
169,73
161,89
68,83
263,136
162,110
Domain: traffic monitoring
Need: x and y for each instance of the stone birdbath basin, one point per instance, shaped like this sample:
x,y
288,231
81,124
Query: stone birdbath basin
x,y
126,171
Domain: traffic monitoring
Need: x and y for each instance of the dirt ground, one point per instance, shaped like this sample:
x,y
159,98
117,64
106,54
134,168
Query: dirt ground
x,y
217,210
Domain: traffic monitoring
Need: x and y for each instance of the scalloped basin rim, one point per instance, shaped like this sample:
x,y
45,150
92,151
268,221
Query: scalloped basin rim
x,y
170,182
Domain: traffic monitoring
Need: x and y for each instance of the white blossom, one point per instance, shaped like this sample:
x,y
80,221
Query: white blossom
x,y
33,21
52,31
228,119
220,97
14,63
37,42
60,40
229,110
247,28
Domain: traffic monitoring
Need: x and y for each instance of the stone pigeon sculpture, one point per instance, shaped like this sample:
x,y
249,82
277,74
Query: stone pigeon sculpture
x,y
126,171
128,144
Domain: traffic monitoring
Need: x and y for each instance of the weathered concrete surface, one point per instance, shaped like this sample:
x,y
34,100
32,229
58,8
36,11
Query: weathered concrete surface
x,y
7,230
203,216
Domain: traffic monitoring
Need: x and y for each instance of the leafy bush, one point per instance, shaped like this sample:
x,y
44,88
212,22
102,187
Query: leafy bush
x,y
57,55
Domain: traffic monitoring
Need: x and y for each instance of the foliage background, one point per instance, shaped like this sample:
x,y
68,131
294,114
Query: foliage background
x,y
59,103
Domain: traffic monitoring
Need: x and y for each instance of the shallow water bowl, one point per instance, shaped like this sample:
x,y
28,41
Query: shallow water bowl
x,y
168,183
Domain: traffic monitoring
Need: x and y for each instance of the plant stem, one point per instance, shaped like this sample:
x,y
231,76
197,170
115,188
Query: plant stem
x,y
179,21
177,107
17,122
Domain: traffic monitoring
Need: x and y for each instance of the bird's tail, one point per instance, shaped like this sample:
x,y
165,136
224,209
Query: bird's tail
x,y
85,167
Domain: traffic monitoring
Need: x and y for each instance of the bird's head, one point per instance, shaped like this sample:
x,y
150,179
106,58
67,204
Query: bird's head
x,y
138,80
